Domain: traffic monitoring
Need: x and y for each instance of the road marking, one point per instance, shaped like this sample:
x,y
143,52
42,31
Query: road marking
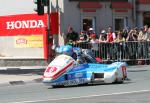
x,y
88,96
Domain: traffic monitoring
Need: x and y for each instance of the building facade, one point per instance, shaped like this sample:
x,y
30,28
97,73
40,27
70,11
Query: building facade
x,y
79,14
100,14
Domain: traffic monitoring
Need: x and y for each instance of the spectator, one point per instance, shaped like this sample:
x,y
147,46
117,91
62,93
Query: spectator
x,y
145,28
120,47
132,36
141,34
90,32
103,36
120,37
94,42
110,39
132,47
83,37
102,41
110,35
125,33
72,36
141,43
148,35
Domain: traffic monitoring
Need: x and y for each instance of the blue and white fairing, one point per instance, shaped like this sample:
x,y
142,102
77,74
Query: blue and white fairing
x,y
64,70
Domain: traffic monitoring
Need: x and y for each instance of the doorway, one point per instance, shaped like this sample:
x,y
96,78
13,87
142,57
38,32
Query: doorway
x,y
88,22
120,23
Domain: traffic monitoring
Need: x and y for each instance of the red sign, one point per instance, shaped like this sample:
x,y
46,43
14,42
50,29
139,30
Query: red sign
x,y
24,24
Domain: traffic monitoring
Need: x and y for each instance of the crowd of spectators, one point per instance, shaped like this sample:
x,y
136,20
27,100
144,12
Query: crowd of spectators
x,y
109,36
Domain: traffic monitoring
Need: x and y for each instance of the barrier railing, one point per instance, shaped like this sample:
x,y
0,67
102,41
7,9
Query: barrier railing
x,y
123,51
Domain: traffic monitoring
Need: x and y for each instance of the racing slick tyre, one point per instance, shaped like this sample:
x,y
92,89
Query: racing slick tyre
x,y
118,81
57,86
84,84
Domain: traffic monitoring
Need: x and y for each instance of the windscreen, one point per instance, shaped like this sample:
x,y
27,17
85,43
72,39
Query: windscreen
x,y
61,60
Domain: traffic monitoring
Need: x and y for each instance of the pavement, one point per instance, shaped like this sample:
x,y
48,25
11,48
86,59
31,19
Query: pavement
x,y
10,76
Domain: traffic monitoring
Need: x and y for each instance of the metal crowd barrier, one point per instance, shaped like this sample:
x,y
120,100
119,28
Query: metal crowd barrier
x,y
123,51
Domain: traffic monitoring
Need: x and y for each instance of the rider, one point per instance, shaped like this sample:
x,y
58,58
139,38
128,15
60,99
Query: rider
x,y
68,50
74,52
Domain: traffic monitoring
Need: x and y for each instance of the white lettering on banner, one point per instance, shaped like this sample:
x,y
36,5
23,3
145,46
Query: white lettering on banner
x,y
25,24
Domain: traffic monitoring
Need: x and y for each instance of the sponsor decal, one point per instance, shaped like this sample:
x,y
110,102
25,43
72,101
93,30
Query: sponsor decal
x,y
21,28
25,24
33,41
48,74
78,75
21,41
53,69
73,82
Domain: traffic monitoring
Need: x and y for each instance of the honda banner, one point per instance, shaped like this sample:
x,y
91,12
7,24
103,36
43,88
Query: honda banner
x,y
23,36
24,24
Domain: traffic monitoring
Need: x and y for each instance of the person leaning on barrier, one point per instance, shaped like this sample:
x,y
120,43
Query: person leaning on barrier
x,y
143,45
102,36
72,36
148,35
120,46
125,32
94,43
83,37
132,36
111,36
143,34
131,44
120,37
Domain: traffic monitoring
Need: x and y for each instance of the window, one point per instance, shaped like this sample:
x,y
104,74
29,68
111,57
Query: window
x,y
146,16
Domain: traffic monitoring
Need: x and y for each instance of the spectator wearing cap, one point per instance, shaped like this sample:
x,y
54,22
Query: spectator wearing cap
x,y
94,42
90,32
103,36
102,40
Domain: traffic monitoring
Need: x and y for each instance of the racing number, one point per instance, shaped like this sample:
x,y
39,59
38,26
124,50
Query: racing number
x,y
51,69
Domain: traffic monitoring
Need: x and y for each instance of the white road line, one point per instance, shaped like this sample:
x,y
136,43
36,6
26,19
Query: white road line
x,y
88,96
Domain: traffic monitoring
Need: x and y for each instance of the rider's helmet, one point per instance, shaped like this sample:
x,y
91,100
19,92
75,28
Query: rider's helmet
x,y
68,50
59,50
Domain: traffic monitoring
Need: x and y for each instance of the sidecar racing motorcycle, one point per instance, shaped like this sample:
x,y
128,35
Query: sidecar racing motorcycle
x,y
66,70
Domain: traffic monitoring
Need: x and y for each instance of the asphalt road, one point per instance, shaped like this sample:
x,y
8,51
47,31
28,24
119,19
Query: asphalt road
x,y
136,90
